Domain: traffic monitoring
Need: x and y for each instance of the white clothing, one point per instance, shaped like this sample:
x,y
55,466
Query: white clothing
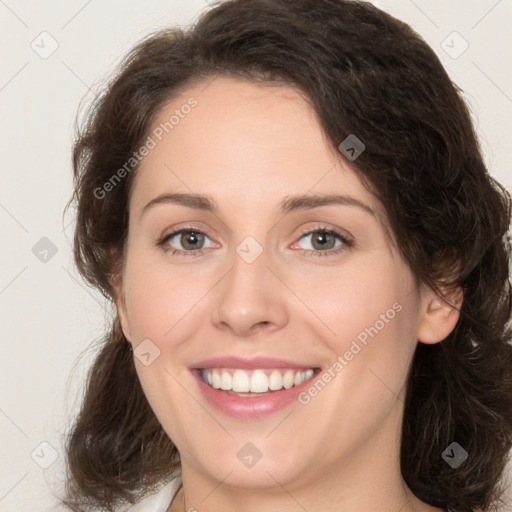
x,y
158,502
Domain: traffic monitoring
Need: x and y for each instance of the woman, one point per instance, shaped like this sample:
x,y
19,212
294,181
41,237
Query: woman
x,y
288,206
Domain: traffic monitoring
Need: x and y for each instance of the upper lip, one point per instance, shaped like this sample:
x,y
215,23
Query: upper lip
x,y
249,364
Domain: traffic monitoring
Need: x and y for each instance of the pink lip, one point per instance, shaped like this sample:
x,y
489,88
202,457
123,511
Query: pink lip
x,y
249,408
249,364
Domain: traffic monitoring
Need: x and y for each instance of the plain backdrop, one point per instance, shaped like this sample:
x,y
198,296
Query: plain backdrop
x,y
54,54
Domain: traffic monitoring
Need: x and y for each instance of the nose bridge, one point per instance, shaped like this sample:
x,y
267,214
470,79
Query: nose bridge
x,y
249,296
249,265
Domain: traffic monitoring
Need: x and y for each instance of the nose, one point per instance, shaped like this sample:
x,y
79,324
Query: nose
x,y
250,299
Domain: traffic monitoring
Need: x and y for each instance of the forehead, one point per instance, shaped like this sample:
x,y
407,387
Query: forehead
x,y
244,143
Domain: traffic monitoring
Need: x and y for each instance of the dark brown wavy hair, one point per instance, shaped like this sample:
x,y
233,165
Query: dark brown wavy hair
x,y
365,73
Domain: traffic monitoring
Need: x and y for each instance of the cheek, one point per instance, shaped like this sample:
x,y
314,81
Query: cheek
x,y
162,307
160,301
357,299
369,317
376,336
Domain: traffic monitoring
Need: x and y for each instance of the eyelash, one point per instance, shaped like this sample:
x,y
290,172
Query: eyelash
x,y
346,243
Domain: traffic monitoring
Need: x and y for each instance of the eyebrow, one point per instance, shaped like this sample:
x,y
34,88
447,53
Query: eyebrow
x,y
289,204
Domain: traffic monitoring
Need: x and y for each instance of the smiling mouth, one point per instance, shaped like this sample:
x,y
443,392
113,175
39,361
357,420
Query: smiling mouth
x,y
255,382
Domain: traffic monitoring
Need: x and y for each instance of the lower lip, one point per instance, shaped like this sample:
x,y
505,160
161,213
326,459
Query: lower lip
x,y
248,408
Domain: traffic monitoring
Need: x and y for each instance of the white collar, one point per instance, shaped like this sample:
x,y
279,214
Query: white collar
x,y
159,501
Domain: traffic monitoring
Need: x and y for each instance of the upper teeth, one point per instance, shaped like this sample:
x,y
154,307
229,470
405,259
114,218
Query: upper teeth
x,y
255,381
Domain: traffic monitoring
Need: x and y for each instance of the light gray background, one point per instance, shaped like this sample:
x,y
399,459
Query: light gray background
x,y
48,317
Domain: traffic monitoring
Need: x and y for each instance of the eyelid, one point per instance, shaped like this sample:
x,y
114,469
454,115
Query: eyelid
x,y
324,227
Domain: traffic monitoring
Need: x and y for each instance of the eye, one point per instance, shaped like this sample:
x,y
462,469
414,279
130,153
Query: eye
x,y
192,241
323,241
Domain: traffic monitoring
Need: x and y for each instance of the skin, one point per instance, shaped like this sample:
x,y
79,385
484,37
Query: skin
x,y
248,147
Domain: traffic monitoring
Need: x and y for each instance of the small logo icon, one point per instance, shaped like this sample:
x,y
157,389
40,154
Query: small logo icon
x,y
45,45
351,147
146,352
44,250
454,45
249,249
455,455
249,455
44,455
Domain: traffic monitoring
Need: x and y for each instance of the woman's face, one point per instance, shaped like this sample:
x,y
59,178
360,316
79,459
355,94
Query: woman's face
x,y
264,273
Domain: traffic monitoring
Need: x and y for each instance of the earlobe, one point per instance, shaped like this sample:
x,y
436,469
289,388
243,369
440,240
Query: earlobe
x,y
439,315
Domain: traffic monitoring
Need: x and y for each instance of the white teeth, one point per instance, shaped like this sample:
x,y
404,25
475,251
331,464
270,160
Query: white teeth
x,y
226,382
288,379
241,383
275,381
257,381
215,380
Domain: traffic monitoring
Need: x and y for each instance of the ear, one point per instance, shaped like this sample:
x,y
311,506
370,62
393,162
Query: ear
x,y
116,279
439,315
